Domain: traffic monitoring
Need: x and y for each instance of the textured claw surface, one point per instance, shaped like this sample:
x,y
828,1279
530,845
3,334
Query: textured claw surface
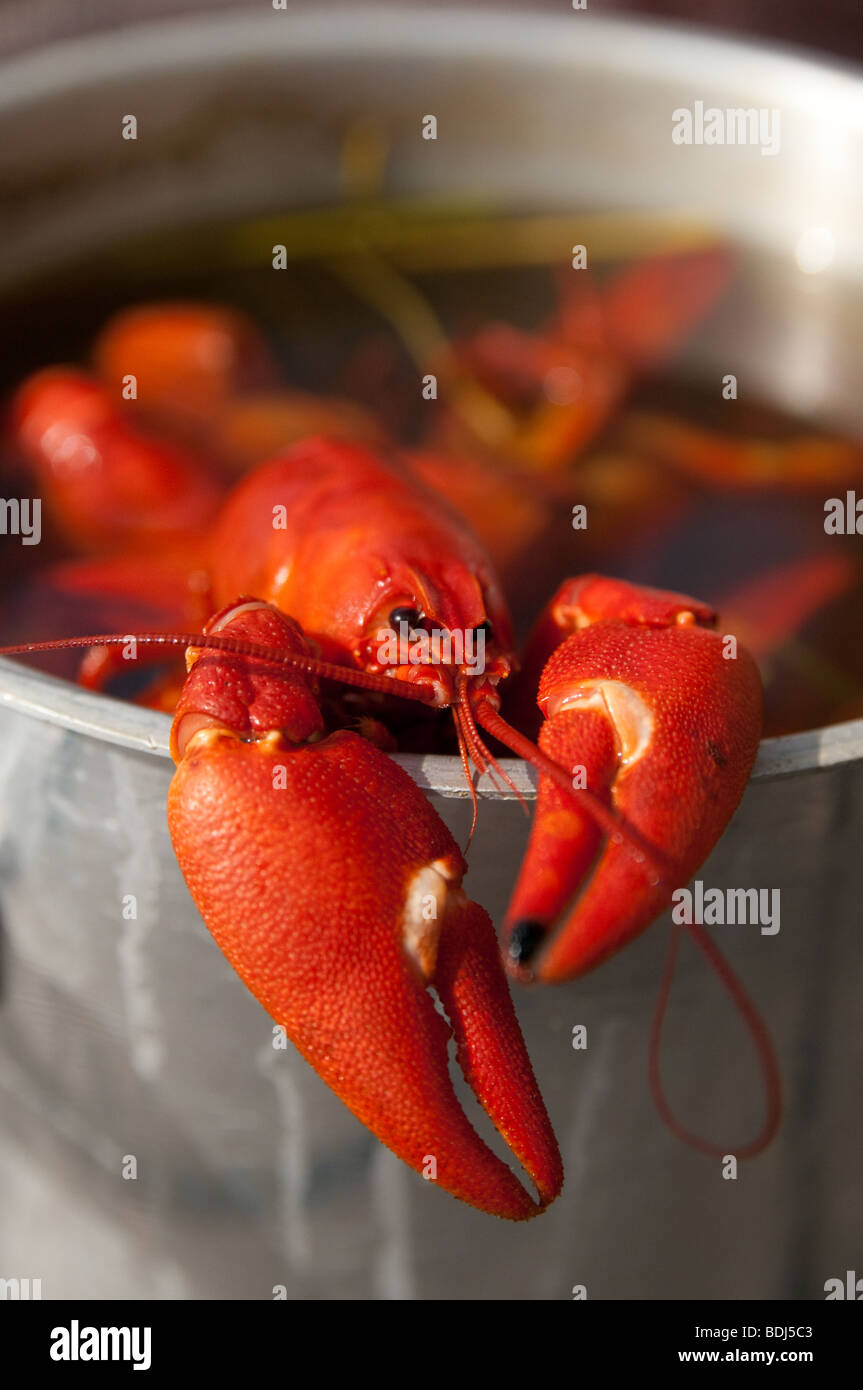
x,y
304,889
333,888
662,718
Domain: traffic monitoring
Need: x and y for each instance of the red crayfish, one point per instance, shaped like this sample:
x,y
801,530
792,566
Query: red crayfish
x,y
321,870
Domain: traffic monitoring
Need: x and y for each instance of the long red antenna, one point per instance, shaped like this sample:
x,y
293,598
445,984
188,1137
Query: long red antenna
x,y
313,666
609,823
757,1029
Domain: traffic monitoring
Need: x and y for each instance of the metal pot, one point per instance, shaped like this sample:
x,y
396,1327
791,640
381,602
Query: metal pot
x,y
132,1038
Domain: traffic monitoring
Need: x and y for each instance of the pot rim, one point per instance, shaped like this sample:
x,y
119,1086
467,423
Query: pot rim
x,y
473,33
67,706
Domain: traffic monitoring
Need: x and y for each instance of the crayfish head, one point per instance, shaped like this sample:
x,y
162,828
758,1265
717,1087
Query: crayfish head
x,y
433,629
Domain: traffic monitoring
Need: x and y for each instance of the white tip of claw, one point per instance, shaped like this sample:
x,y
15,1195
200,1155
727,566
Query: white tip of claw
x,y
425,903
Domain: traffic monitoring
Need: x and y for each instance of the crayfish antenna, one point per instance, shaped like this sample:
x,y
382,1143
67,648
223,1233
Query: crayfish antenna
x,y
612,825
757,1029
311,665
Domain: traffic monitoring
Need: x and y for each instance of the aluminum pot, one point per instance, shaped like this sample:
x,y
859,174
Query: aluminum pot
x,y
131,1039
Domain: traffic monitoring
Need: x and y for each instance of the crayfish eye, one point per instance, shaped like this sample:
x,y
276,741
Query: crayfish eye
x,y
485,628
411,616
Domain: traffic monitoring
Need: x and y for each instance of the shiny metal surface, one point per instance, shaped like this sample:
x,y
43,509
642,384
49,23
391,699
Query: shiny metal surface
x,y
113,721
122,1037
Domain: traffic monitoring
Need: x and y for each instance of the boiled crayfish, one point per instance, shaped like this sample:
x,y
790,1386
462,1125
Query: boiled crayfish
x,y
321,870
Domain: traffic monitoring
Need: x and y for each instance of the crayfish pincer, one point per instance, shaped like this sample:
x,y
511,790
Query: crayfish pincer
x,y
663,716
333,888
